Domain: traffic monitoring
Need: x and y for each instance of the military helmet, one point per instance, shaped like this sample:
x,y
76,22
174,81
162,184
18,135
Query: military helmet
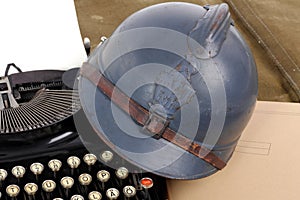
x,y
172,89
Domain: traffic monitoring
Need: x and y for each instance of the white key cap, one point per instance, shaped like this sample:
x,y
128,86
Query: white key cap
x,y
129,191
12,190
85,179
67,182
54,165
31,188
48,186
122,173
107,156
95,195
36,168
90,159
3,174
77,197
73,162
112,193
18,171
103,176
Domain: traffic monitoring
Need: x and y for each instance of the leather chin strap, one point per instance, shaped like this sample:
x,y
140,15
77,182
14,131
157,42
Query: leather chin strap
x,y
153,123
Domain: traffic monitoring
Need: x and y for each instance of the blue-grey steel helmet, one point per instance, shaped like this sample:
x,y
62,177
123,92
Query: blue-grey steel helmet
x,y
185,63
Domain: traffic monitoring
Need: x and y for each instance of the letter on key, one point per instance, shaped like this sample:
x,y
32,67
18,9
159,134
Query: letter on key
x,y
85,179
3,174
54,165
67,182
31,188
73,162
12,190
112,193
95,195
129,191
48,186
18,171
90,159
37,168
103,176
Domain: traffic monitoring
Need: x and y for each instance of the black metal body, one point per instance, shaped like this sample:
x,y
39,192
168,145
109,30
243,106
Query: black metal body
x,y
59,141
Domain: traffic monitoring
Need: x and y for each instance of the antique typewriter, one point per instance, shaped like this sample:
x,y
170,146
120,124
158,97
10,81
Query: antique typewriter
x,y
41,153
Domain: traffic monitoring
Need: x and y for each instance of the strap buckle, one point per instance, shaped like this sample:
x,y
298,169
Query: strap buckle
x,y
156,124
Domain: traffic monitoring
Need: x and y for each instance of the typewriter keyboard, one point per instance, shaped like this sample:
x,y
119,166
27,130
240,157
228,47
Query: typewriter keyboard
x,y
76,177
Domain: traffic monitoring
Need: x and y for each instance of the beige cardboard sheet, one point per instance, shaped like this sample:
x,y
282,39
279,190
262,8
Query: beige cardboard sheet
x,y
40,35
265,165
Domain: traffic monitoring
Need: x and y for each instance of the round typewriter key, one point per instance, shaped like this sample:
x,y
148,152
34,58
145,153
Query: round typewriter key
x,y
85,179
18,171
103,176
112,193
90,159
31,188
107,156
73,162
129,191
122,173
77,197
48,186
3,174
67,182
36,168
95,195
12,190
57,199
146,182
54,165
